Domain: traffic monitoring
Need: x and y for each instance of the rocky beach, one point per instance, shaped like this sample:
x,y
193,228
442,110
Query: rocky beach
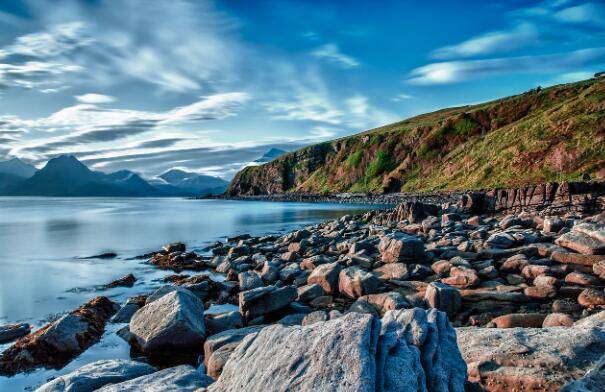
x,y
461,295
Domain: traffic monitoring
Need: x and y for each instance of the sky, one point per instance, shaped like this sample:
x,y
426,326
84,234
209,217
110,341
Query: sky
x,y
209,86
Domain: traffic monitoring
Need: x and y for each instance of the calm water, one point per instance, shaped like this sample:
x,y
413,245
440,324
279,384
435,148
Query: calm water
x,y
43,239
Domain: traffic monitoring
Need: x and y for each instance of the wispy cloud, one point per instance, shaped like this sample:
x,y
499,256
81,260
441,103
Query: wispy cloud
x,y
95,98
588,13
458,71
332,54
493,42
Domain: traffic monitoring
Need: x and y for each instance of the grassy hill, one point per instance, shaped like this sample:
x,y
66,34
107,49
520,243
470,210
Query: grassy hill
x,y
543,135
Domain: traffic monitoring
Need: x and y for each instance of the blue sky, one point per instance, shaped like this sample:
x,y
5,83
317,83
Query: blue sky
x,y
210,86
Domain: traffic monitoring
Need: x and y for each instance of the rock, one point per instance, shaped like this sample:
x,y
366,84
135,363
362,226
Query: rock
x,y
174,247
355,282
599,269
385,301
525,320
309,292
182,378
519,359
124,281
593,380
461,278
326,275
557,320
289,272
363,307
315,317
334,355
566,305
581,279
10,332
95,375
57,343
216,323
249,280
567,257
443,297
401,248
592,298
540,292
292,319
219,347
390,271
546,281
170,328
160,292
581,243
124,315
553,224
264,300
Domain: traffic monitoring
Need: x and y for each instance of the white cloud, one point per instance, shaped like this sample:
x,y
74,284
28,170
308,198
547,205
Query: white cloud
x,y
402,97
332,54
95,98
457,71
492,42
588,13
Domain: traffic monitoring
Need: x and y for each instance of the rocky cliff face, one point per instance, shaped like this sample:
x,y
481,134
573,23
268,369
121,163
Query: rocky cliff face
x,y
541,136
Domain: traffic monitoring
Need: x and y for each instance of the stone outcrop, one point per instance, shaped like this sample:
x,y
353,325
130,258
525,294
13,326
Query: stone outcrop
x,y
57,343
411,350
95,375
182,378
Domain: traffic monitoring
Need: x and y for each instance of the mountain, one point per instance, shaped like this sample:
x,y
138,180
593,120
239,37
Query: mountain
x,y
543,135
270,155
66,176
191,183
17,168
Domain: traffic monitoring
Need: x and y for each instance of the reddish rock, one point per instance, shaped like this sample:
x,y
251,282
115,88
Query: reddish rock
x,y
599,269
124,281
546,281
533,271
581,279
390,271
326,275
355,282
56,344
540,292
462,278
514,264
401,248
575,258
581,243
443,297
592,298
558,320
524,320
442,267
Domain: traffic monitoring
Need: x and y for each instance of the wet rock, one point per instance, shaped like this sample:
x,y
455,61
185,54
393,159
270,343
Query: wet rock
x,y
10,332
326,275
95,375
518,359
170,328
355,282
525,320
558,320
174,247
124,281
401,248
443,297
182,378
57,343
264,300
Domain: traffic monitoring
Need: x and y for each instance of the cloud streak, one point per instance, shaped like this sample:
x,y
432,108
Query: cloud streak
x,y
332,54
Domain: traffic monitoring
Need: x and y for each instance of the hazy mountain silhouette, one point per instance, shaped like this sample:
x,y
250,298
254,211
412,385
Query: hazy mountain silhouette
x,y
18,168
193,183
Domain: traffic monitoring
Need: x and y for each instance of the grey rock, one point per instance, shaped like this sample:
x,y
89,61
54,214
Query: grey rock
x,y
443,297
401,248
355,282
96,375
219,347
263,300
593,380
326,275
177,379
216,323
249,280
10,332
309,292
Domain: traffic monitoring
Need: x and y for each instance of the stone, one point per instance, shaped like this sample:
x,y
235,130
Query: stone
x,y
599,269
289,272
581,243
174,247
390,271
10,332
581,279
518,359
540,292
219,347
461,278
182,378
309,292
592,298
401,248
95,375
566,305
170,327
264,300
525,320
124,315
326,275
363,307
124,281
443,297
58,342
315,317
593,380
355,282
546,281
216,323
567,257
384,302
249,280
442,267
558,320
553,225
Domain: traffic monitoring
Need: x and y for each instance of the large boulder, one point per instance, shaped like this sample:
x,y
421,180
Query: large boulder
x,y
355,282
264,300
401,248
57,343
170,325
593,380
95,375
411,350
532,359
182,378
585,238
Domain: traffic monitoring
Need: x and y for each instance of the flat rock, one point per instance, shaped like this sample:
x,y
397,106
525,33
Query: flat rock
x,y
219,347
95,375
264,300
391,271
182,378
10,332
581,243
401,248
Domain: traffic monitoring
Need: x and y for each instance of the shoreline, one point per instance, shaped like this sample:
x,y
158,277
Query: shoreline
x,y
416,255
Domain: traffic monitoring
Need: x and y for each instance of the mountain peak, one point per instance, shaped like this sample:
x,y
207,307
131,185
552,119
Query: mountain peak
x,y
17,167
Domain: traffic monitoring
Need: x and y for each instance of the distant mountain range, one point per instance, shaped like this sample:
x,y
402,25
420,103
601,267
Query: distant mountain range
x,y
269,156
67,176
